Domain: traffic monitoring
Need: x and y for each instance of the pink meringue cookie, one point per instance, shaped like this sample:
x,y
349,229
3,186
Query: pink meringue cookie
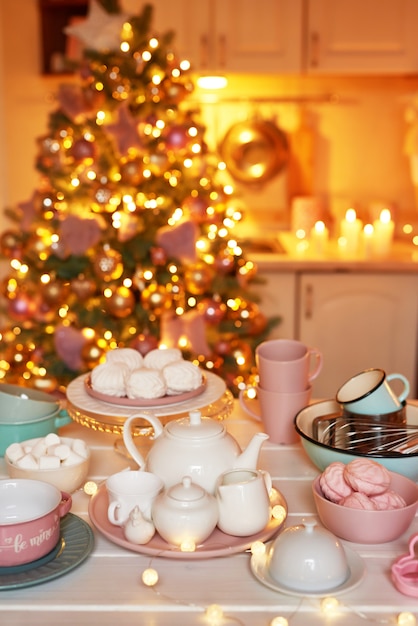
x,y
388,500
359,500
333,484
367,476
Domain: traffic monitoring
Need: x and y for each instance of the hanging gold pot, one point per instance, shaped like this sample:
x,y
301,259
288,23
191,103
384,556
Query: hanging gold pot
x,y
254,151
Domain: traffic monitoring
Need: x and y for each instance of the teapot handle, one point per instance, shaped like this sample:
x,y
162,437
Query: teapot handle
x,y
128,438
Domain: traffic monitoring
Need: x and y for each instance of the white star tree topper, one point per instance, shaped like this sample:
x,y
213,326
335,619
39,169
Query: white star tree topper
x,y
100,30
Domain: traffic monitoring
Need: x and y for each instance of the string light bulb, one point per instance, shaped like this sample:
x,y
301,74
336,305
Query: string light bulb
x,y
406,619
90,488
214,614
329,604
279,621
150,577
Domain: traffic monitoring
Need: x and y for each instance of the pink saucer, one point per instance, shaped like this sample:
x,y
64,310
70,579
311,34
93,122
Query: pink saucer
x,y
405,571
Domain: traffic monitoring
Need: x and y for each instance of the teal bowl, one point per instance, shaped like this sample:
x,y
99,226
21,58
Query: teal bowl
x,y
322,454
20,431
18,403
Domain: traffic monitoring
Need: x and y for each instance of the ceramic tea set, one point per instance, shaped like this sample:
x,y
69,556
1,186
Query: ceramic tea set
x,y
195,477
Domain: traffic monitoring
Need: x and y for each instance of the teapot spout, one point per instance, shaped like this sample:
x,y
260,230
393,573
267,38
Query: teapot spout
x,y
249,457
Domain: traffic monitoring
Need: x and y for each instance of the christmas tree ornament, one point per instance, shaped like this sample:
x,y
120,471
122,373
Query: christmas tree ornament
x,y
55,292
11,244
178,241
92,354
214,310
21,306
158,256
108,264
198,278
144,343
156,298
83,287
69,342
83,150
132,171
224,262
120,302
78,234
125,131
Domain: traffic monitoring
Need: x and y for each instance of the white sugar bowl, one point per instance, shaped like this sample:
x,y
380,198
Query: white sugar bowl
x,y
308,558
185,513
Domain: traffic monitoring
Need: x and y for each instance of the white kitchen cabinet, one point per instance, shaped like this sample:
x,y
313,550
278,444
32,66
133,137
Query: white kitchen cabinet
x,y
358,321
362,36
235,35
278,298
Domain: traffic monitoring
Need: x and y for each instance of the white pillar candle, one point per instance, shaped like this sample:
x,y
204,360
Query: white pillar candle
x,y
368,232
350,231
383,233
319,238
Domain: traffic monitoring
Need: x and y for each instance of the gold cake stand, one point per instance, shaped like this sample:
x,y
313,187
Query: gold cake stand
x,y
215,401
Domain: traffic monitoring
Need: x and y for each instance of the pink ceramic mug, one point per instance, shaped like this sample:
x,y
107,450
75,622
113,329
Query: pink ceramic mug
x,y
287,365
30,514
276,410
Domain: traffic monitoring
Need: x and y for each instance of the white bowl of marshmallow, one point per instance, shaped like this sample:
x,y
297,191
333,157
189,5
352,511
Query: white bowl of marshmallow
x,y
61,461
126,373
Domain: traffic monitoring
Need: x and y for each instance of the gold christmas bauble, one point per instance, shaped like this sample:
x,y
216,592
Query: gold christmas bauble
x,y
198,278
55,292
132,172
121,302
156,298
10,244
108,265
91,354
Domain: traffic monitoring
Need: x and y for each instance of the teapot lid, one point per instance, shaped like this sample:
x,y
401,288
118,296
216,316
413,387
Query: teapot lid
x,y
186,491
194,427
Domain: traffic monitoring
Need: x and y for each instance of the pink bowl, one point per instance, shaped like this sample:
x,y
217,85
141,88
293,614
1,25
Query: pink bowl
x,y
361,526
30,514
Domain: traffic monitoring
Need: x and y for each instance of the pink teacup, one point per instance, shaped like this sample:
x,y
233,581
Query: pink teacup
x,y
287,365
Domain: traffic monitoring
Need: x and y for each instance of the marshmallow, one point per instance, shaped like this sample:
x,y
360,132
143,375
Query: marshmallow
x,y
61,451
14,452
72,459
80,447
27,462
51,439
49,462
38,449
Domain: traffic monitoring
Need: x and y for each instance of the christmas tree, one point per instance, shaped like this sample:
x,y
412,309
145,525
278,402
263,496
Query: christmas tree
x,y
127,240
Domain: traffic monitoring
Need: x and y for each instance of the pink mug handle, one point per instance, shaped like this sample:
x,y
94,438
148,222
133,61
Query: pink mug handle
x,y
244,405
65,504
314,352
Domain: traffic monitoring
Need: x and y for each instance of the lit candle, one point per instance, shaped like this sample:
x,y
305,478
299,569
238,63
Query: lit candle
x,y
383,233
319,237
368,232
350,231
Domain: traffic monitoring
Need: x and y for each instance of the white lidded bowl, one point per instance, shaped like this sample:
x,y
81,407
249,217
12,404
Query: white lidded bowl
x,y
66,478
322,454
308,558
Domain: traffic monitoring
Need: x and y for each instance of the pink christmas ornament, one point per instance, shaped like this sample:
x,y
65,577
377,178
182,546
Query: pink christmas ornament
x,y
179,241
190,325
78,235
125,130
69,343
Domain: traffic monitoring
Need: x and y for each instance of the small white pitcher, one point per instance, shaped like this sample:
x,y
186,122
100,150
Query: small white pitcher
x,y
243,501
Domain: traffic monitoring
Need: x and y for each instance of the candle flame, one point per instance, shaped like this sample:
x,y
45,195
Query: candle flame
x,y
385,216
351,216
368,229
319,227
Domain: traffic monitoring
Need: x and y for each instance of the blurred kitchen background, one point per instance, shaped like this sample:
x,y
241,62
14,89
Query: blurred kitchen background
x,y
339,77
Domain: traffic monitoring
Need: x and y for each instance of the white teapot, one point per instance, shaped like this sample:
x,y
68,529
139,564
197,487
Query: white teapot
x,y
194,446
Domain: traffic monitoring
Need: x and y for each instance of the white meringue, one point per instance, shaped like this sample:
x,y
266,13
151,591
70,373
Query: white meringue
x,y
130,356
158,358
110,378
145,383
181,376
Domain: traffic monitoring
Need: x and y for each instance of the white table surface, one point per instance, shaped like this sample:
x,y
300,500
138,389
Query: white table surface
x,y
106,588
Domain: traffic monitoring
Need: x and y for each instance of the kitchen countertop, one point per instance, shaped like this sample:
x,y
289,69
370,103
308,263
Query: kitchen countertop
x,y
403,258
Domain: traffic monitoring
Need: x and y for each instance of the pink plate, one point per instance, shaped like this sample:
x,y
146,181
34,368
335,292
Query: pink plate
x,y
140,403
218,544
